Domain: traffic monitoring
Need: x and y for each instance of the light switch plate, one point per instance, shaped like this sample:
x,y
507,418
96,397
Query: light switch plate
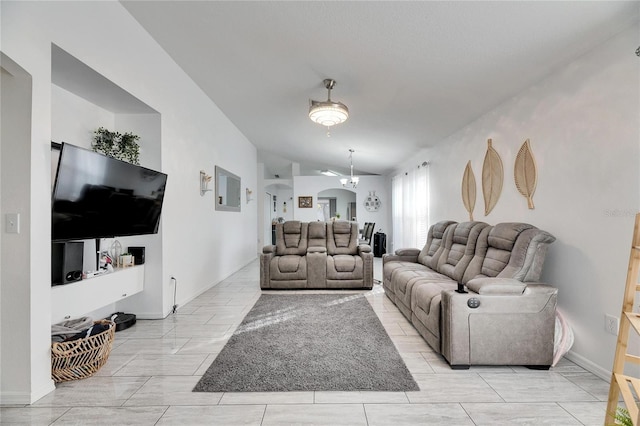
x,y
12,223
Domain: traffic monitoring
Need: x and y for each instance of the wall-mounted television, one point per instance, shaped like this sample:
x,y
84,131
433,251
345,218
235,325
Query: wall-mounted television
x,y
95,196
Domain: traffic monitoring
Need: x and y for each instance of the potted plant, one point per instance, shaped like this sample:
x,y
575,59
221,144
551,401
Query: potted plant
x,y
622,417
117,145
126,259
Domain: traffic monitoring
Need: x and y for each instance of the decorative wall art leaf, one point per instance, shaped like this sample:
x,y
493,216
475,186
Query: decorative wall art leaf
x,y
469,190
525,172
492,177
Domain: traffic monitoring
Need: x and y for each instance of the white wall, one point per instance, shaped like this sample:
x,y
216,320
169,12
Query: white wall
x,y
19,332
283,196
200,246
312,185
583,124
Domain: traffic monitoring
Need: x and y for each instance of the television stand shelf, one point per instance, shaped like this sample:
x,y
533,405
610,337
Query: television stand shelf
x,y
79,298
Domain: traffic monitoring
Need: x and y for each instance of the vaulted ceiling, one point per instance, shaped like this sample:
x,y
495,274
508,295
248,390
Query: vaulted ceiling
x,y
411,73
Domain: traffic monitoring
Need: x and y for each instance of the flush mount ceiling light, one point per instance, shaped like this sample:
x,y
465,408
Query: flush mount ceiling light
x,y
328,113
353,182
329,173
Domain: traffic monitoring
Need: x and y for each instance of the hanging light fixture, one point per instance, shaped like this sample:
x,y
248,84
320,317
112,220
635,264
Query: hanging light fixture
x,y
328,113
353,182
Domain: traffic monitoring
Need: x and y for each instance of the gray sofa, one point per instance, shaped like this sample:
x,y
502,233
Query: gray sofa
x,y
505,318
316,255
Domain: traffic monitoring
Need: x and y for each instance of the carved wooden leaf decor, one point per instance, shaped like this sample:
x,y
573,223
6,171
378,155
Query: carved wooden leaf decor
x,y
492,177
525,173
469,190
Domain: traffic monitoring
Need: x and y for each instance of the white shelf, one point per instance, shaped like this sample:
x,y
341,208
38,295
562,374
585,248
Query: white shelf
x,y
77,299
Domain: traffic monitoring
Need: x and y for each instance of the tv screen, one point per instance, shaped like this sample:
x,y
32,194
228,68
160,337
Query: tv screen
x,y
95,196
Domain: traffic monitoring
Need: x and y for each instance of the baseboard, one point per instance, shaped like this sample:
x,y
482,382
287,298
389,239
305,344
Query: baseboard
x,y
588,365
26,398
151,315
208,287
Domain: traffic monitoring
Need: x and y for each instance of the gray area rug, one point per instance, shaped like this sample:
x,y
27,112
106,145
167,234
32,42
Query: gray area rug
x,y
315,342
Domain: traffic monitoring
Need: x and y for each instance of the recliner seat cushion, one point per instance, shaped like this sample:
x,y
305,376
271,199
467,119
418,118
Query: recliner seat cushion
x,y
345,267
289,263
288,267
344,263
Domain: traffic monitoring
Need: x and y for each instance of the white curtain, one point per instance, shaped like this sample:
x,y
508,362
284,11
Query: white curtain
x,y
396,212
410,207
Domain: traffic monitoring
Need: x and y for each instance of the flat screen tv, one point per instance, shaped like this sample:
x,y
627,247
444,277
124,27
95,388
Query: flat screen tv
x,y
95,196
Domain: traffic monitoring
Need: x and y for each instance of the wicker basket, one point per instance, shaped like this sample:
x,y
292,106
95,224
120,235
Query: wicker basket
x,y
81,358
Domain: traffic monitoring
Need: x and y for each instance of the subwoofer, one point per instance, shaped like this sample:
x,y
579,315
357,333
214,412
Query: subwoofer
x,y
138,255
66,262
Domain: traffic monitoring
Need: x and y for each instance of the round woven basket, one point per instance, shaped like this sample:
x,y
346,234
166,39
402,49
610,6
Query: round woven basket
x,y
81,358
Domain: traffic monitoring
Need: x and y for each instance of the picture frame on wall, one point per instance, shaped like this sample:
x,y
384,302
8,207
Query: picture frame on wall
x,y
305,202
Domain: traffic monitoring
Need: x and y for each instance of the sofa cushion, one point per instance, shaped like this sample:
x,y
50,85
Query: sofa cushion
x,y
425,308
342,238
459,248
289,263
288,267
291,238
344,267
344,263
403,282
317,234
292,233
509,250
433,248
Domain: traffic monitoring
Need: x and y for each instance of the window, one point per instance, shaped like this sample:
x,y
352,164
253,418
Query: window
x,y
410,207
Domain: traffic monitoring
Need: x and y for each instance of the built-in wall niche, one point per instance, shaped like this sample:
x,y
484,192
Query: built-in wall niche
x,y
82,101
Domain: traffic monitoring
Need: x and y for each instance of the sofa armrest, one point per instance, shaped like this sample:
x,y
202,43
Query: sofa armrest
x,y
408,252
364,248
269,249
265,271
364,251
403,255
501,286
499,326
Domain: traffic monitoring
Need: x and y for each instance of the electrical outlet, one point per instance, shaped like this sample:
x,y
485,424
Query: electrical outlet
x,y
611,324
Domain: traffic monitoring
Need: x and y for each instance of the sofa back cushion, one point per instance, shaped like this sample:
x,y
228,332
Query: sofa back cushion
x,y
459,248
317,234
291,238
433,248
509,250
342,238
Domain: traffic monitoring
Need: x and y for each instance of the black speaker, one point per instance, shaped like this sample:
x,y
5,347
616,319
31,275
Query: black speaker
x,y
379,244
66,262
138,255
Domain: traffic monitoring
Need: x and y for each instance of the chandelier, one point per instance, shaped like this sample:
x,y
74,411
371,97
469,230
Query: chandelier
x,y
328,113
353,182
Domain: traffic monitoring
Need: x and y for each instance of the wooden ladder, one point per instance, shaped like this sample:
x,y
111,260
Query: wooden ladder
x,y
620,383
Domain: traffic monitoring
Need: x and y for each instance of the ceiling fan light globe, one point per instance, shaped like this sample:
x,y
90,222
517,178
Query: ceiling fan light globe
x,y
328,113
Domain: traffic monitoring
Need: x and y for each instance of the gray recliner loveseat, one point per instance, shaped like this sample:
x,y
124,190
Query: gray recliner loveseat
x,y
316,255
506,317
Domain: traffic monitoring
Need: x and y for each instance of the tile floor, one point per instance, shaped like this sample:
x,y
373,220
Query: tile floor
x,y
155,364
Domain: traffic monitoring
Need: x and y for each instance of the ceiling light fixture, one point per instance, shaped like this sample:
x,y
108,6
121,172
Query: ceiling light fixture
x,y
329,173
328,113
353,182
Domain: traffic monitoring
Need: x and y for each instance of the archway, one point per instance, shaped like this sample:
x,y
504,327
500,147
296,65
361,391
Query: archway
x,y
337,203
